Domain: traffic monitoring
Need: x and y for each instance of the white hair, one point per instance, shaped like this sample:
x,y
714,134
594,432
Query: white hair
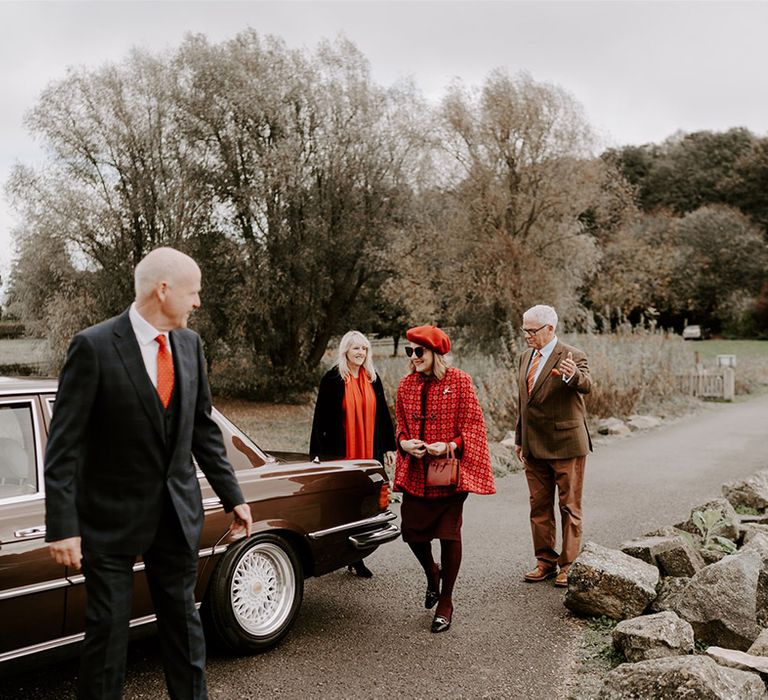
x,y
542,314
347,341
160,265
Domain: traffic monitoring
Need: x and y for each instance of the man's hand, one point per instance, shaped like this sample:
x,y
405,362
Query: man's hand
x,y
389,460
241,520
519,453
67,552
568,367
417,448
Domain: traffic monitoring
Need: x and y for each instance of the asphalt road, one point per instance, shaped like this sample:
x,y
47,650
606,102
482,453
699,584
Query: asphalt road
x,y
358,638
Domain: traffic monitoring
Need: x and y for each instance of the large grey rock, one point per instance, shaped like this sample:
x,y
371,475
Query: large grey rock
x,y
608,582
761,519
710,556
756,540
503,459
681,678
673,555
509,440
730,528
748,531
760,645
725,601
679,559
751,492
664,531
638,422
738,659
648,548
612,426
669,591
653,637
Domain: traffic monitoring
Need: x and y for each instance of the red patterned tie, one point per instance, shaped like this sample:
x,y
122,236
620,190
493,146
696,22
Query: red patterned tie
x,y
532,370
164,371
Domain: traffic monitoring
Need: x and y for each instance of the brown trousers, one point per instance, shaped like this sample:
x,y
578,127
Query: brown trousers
x,y
543,476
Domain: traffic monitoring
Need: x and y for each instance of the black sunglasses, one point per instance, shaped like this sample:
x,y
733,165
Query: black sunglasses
x,y
409,351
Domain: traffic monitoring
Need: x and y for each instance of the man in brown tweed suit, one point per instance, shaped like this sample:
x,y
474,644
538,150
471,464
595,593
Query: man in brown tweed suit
x,y
552,440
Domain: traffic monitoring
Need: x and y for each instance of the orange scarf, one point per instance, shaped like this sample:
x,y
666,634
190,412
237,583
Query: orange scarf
x,y
359,416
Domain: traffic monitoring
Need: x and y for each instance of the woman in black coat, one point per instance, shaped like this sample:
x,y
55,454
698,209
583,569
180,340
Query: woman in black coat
x,y
351,418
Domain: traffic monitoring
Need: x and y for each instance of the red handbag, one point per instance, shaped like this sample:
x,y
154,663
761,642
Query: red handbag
x,y
443,471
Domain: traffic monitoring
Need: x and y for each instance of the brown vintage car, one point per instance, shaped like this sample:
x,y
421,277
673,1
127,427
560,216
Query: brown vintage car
x,y
310,518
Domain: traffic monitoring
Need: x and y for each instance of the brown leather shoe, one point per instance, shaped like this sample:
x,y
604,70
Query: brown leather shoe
x,y
540,573
561,580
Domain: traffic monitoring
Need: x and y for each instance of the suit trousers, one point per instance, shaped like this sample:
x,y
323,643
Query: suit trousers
x,y
544,476
171,572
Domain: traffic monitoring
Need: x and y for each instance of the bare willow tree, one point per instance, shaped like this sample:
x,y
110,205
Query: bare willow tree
x,y
521,178
284,172
308,159
118,181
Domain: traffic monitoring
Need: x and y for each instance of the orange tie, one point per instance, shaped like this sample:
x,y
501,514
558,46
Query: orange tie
x,y
164,371
532,370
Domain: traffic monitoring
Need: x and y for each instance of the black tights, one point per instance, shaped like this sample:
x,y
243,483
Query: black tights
x,y
450,561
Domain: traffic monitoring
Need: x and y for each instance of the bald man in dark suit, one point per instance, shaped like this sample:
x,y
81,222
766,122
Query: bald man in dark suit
x,y
133,407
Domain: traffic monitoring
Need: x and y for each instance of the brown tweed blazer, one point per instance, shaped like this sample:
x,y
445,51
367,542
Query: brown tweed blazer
x,y
552,421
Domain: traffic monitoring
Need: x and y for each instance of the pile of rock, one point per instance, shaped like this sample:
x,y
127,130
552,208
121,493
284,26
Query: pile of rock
x,y
704,580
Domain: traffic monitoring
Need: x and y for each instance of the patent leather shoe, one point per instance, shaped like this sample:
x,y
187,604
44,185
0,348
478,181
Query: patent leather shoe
x,y
431,598
441,623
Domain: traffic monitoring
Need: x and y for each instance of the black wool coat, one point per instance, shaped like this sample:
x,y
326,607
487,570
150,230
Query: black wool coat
x,y
328,438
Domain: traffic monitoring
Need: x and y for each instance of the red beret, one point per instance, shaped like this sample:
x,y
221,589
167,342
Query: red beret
x,y
430,337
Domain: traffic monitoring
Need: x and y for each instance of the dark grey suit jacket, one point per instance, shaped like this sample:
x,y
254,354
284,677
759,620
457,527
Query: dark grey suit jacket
x,y
108,464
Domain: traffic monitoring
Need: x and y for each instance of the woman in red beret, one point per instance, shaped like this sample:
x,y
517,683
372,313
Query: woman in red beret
x,y
438,411
351,418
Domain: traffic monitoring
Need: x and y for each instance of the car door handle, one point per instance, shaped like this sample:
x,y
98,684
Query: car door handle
x,y
30,533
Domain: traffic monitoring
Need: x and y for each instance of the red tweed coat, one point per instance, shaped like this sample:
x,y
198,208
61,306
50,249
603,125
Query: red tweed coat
x,y
452,412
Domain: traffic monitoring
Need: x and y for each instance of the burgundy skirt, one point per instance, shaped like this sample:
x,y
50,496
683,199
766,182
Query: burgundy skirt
x,y
427,519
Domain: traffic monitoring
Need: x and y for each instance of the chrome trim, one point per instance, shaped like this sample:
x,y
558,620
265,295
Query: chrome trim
x,y
384,517
367,540
71,639
34,588
78,579
212,503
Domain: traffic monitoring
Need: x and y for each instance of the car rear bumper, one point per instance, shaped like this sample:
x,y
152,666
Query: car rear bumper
x,y
364,534
367,540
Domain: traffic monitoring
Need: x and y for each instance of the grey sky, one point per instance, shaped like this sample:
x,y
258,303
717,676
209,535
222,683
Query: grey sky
x,y
642,70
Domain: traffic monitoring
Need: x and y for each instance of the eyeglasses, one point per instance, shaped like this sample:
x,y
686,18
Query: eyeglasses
x,y
418,351
533,331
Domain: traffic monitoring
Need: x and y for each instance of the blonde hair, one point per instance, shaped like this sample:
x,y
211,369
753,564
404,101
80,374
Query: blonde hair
x,y
440,363
347,341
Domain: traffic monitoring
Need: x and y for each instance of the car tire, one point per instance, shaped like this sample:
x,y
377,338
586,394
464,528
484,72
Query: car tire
x,y
255,594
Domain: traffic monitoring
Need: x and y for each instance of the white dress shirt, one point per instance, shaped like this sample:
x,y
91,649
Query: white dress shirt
x,y
145,334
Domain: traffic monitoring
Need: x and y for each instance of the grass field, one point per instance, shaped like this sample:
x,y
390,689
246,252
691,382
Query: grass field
x,y
744,349
22,351
751,360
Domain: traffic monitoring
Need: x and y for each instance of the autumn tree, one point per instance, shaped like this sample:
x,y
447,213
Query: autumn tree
x,y
521,176
724,258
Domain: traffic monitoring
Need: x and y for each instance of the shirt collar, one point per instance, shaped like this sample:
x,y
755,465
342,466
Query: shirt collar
x,y
145,332
546,351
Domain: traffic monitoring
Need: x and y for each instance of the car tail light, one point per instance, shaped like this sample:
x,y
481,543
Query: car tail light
x,y
384,496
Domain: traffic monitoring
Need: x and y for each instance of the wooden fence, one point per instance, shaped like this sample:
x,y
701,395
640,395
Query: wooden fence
x,y
718,383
